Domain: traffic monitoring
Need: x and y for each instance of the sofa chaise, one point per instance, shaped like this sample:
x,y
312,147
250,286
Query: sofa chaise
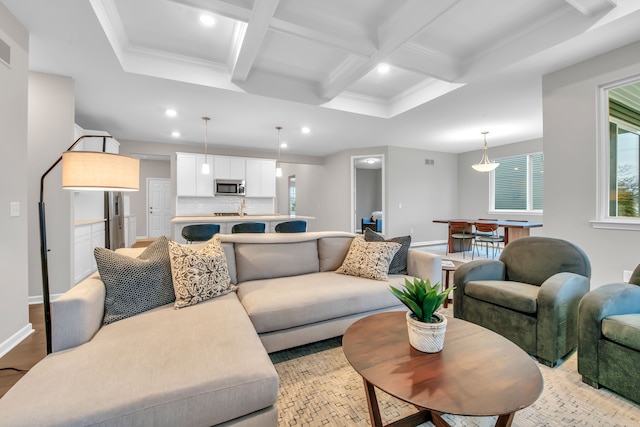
x,y
205,364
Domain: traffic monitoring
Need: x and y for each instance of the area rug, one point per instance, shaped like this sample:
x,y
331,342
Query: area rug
x,y
318,387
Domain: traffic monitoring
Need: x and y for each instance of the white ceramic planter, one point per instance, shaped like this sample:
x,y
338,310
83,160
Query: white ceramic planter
x,y
426,337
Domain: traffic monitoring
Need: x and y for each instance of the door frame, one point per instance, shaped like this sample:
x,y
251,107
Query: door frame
x,y
354,219
147,201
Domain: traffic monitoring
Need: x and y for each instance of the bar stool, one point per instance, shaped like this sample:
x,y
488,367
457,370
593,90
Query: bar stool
x,y
248,227
297,226
199,232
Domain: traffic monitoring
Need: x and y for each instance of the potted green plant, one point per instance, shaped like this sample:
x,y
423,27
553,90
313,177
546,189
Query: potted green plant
x,y
426,327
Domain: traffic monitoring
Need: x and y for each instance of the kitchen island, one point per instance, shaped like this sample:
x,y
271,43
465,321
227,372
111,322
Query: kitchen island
x,y
227,221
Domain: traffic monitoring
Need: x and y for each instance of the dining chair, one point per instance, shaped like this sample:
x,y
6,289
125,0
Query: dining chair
x,y
248,227
486,233
199,232
462,231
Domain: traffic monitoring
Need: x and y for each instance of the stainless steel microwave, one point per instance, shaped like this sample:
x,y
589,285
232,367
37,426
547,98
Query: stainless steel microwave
x,y
230,187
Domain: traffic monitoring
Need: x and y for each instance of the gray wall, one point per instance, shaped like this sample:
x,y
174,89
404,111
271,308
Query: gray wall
x,y
50,121
426,192
309,187
14,313
570,146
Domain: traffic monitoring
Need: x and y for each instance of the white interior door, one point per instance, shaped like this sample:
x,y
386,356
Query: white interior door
x,y
158,207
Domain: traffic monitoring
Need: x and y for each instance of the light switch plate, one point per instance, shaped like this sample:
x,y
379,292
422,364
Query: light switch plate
x,y
14,209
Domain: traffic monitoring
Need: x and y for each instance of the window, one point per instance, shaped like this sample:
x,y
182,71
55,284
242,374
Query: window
x,y
618,154
518,183
624,160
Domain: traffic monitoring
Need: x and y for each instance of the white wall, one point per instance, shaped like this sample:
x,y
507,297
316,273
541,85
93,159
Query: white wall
x,y
570,146
14,313
309,187
51,130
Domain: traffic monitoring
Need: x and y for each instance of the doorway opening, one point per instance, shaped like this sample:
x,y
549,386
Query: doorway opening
x,y
292,195
368,191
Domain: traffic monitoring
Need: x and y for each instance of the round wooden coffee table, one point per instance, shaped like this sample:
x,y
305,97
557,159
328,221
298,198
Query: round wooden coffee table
x,y
478,373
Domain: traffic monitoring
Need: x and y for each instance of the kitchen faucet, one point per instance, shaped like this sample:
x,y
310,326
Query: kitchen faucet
x,y
243,205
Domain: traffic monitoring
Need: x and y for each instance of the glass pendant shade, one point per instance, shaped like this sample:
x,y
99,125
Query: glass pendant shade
x,y
278,172
485,165
93,170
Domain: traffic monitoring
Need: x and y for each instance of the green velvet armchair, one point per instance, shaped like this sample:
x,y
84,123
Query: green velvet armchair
x,y
530,295
609,337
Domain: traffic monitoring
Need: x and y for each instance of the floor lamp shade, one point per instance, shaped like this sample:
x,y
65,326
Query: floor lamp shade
x,y
93,170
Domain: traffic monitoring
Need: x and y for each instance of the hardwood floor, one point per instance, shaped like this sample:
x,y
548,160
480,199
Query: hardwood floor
x,y
26,354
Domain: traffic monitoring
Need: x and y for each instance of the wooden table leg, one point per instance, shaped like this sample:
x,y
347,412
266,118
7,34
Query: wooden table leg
x,y
446,286
372,402
505,420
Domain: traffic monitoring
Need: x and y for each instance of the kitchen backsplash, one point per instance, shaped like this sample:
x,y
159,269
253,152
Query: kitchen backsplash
x,y
210,205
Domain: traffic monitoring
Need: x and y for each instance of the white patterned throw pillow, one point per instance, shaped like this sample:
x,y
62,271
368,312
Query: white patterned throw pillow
x,y
199,275
368,259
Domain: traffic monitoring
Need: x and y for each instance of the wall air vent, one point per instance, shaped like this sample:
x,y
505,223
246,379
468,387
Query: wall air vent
x,y
5,52
429,162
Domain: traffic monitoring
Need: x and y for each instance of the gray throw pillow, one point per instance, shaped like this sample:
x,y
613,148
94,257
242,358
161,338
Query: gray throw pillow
x,y
135,285
399,262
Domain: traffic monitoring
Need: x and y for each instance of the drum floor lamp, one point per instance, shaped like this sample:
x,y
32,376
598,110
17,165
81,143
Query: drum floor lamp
x,y
84,170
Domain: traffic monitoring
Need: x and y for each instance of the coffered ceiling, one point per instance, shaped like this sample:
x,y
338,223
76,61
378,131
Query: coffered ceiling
x,y
455,67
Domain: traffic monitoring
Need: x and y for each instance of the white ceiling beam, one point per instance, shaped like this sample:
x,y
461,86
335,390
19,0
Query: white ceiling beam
x,y
399,29
425,61
338,38
219,7
592,7
259,22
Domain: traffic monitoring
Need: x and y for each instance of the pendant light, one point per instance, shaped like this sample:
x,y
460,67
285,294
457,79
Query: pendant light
x,y
205,165
278,168
485,165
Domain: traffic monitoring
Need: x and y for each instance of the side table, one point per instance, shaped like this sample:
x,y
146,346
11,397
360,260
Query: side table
x,y
447,269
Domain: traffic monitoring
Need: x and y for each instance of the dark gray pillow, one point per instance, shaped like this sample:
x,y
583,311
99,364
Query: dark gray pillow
x,y
399,262
135,285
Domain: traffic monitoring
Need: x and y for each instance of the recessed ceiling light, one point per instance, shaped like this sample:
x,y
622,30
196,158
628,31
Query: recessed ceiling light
x,y
175,134
306,130
371,161
383,68
171,113
207,20
283,145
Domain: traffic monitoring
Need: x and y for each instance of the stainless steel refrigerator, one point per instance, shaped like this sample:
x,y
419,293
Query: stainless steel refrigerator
x,y
114,214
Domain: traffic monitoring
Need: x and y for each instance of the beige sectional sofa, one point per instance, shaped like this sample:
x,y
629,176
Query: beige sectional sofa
x,y
205,364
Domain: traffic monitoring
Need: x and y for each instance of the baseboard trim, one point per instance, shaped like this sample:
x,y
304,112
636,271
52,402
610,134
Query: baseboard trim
x,y
37,299
15,339
429,243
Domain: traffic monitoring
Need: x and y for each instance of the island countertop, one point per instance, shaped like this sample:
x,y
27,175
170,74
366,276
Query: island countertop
x,y
184,219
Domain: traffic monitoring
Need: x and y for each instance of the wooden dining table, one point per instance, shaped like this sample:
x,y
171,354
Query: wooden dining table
x,y
512,229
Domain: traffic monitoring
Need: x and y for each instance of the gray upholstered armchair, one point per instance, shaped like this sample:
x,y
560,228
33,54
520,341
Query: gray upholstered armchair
x,y
609,337
530,295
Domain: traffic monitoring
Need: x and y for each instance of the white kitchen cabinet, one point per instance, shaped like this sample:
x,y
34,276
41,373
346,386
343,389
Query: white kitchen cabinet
x,y
229,167
97,240
190,179
86,238
261,178
82,247
132,230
